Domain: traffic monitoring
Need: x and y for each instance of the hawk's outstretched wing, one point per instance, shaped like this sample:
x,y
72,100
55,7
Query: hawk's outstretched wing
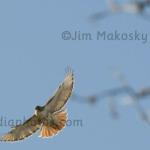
x,y
61,96
22,131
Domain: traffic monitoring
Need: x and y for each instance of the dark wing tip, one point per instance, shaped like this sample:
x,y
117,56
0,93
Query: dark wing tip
x,y
69,70
69,79
11,138
7,138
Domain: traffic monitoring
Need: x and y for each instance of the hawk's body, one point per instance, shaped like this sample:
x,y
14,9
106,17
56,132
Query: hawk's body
x,y
50,118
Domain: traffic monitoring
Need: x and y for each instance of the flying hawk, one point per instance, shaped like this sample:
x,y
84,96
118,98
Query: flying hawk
x,y
49,119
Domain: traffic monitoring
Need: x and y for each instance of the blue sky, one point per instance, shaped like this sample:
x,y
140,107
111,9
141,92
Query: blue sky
x,y
33,58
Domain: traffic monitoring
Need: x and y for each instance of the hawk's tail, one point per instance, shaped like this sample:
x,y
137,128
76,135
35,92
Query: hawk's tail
x,y
59,123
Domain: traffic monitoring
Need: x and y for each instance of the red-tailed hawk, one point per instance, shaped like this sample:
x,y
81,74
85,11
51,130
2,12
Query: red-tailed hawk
x,y
49,119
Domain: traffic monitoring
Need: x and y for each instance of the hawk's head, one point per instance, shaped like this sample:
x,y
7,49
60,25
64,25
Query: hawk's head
x,y
38,109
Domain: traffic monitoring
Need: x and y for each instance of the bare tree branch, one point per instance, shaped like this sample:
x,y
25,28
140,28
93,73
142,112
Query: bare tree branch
x,y
113,93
